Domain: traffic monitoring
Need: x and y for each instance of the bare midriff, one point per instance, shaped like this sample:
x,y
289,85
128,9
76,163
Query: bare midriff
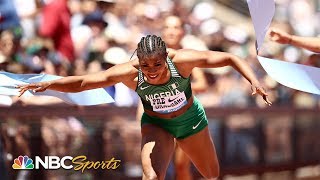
x,y
172,114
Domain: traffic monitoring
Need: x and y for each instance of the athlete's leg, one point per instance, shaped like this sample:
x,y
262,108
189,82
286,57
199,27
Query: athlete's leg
x,y
182,165
157,149
200,149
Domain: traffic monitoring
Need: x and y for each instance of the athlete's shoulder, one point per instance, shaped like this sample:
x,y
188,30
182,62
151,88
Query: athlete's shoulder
x,y
171,52
135,63
185,56
129,69
127,73
182,59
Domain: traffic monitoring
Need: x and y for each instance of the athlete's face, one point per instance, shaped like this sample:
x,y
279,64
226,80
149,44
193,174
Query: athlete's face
x,y
154,68
173,31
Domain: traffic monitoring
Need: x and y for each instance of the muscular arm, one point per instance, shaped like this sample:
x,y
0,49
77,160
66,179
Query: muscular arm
x,y
119,73
190,59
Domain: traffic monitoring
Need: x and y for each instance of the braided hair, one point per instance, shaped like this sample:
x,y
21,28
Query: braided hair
x,y
151,46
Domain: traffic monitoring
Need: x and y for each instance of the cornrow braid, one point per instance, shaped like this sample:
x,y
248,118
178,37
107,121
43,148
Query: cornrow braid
x,y
159,40
151,45
154,42
147,42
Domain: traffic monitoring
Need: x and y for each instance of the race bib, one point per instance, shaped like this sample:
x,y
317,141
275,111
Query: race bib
x,y
169,104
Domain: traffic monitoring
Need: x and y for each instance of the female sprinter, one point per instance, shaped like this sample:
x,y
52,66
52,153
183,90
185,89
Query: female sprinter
x,y
161,77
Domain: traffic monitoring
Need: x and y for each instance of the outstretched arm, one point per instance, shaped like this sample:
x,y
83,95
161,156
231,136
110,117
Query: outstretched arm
x,y
116,74
309,43
212,59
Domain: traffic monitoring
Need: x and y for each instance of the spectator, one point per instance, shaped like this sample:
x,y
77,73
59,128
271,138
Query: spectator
x,y
8,16
57,27
27,12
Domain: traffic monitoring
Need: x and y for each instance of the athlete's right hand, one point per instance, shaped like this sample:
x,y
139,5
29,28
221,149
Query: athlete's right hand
x,y
35,87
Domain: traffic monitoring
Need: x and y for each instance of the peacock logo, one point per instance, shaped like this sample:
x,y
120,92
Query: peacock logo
x,y
23,162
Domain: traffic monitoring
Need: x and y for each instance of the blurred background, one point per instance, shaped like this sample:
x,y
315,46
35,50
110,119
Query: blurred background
x,y
76,37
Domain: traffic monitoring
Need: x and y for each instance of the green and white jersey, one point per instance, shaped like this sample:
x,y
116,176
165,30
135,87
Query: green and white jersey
x,y
168,97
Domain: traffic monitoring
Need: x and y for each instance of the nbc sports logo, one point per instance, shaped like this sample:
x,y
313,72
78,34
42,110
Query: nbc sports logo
x,y
67,162
49,162
22,162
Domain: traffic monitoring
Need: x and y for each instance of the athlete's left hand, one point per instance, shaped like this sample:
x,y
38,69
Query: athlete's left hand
x,y
279,36
260,90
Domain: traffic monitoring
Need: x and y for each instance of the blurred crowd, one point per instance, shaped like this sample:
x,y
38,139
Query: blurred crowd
x,y
77,37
